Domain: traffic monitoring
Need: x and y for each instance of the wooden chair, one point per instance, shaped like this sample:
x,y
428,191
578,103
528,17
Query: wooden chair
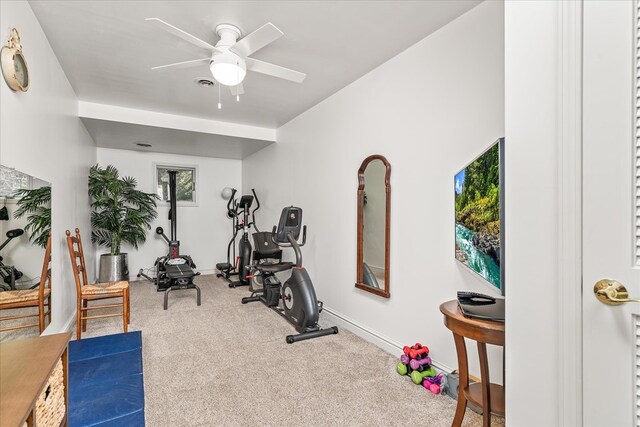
x,y
38,297
92,292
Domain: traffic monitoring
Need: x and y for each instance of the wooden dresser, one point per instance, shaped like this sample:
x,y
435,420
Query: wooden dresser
x,y
33,381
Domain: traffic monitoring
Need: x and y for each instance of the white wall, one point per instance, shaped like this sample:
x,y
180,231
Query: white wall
x,y
538,120
430,110
203,230
42,135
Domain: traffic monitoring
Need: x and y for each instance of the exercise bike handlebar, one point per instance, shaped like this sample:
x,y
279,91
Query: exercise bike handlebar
x,y
12,234
293,243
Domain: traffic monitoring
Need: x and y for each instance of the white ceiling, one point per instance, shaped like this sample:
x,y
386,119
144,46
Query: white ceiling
x,y
124,136
107,50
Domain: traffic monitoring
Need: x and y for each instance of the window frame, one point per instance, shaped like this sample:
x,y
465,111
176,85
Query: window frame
x,y
177,166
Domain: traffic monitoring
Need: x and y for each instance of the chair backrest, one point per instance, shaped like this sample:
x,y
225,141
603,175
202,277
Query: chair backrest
x,y
45,277
263,244
77,259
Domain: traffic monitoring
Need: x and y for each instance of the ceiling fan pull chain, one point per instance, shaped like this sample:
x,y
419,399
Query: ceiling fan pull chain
x,y
219,102
238,79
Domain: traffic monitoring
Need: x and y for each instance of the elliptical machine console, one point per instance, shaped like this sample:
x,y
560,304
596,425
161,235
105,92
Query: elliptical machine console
x,y
299,303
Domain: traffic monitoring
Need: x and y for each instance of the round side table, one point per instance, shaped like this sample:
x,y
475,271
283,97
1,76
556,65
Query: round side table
x,y
490,397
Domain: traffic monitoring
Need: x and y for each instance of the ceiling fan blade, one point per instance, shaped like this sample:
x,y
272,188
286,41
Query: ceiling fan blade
x,y
255,41
182,34
183,64
274,70
237,90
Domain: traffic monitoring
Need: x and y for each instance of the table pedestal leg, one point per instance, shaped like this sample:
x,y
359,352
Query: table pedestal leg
x,y
463,369
486,385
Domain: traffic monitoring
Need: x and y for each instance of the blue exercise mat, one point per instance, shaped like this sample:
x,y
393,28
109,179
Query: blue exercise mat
x,y
88,371
106,386
106,345
106,401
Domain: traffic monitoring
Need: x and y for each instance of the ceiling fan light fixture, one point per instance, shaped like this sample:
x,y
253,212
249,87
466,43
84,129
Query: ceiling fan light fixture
x,y
228,69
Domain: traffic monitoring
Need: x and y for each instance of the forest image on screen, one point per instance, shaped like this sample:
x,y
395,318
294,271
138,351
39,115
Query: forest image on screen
x,y
477,210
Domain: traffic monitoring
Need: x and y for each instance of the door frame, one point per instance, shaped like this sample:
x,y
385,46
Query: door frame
x,y
570,289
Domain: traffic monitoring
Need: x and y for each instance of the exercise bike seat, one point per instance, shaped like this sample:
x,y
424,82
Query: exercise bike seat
x,y
274,268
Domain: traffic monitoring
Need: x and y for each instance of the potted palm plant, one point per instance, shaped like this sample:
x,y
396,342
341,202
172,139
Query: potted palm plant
x,y
120,214
36,204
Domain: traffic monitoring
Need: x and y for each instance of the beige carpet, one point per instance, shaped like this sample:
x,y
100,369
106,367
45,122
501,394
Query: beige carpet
x,y
227,364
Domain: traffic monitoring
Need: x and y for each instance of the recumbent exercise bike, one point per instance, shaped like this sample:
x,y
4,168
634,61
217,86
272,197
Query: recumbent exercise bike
x,y
299,303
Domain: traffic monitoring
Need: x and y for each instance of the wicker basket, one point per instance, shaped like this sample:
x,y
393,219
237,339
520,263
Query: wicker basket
x,y
50,408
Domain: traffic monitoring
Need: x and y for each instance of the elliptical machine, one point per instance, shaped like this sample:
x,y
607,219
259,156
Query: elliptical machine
x,y
299,303
173,271
235,210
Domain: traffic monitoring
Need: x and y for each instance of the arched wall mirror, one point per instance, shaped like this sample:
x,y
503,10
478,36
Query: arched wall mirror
x,y
374,210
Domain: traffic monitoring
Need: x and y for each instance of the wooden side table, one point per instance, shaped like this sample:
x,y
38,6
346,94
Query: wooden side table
x,y
25,369
490,397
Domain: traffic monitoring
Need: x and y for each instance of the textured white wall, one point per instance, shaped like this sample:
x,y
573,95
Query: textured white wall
x,y
42,135
429,111
203,230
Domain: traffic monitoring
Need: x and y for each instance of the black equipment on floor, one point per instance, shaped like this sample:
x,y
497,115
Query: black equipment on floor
x,y
173,271
9,273
299,303
235,210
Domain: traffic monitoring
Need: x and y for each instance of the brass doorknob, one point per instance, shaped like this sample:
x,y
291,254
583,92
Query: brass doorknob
x,y
611,292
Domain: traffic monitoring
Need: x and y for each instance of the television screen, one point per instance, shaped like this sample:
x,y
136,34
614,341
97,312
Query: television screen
x,y
479,215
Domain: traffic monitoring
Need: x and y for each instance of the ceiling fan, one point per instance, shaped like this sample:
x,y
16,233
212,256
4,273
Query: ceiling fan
x,y
229,59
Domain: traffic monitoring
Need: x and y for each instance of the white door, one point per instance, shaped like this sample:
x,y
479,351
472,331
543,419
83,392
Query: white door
x,y
611,212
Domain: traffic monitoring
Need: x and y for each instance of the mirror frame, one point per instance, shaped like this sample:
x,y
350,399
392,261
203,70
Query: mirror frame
x,y
387,183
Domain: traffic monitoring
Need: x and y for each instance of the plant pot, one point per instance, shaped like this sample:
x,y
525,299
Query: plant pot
x,y
113,268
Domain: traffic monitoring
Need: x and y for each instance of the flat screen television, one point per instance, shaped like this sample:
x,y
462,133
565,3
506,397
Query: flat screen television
x,y
479,215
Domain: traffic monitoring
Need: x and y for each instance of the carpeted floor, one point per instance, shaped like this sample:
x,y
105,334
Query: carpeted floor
x,y
227,364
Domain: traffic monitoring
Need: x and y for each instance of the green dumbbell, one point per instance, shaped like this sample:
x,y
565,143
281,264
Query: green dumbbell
x,y
417,376
402,369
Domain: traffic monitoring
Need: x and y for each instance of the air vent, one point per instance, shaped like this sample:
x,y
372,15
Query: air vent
x,y
204,82
143,144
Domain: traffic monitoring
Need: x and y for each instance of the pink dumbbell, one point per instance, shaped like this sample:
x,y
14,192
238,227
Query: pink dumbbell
x,y
418,363
433,388
423,351
433,384
405,359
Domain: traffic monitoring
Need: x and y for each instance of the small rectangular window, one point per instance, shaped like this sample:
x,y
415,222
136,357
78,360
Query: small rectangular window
x,y
185,183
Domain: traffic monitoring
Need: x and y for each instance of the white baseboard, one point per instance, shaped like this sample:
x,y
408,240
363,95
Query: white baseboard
x,y
385,343
66,327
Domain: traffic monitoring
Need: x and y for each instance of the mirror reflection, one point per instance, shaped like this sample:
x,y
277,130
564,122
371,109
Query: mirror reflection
x,y
373,230
25,252
373,224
